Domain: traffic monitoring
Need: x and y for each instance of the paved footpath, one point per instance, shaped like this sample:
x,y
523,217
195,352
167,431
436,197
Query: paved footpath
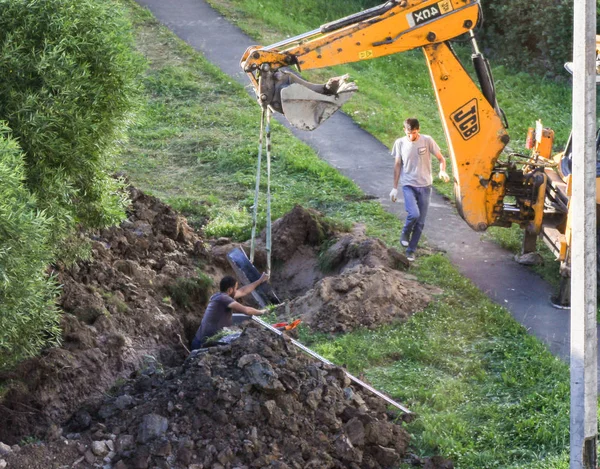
x,y
361,157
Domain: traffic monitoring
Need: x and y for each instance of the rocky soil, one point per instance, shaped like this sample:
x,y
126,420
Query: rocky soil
x,y
115,313
120,393
256,403
360,296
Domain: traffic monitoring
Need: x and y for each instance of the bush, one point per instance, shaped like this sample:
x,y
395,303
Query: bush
x,y
229,222
67,74
28,315
190,291
533,35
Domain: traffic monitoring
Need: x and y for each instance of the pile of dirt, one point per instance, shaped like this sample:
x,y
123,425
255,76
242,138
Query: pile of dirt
x,y
360,297
256,403
348,250
336,281
141,298
307,248
116,310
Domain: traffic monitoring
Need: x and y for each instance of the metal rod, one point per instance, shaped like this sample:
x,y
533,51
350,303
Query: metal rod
x,y
324,360
584,341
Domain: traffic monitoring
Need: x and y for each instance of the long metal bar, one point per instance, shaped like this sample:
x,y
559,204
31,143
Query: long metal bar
x,y
584,344
324,360
293,40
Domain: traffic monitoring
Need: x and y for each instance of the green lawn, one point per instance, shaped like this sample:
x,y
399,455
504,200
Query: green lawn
x,y
488,395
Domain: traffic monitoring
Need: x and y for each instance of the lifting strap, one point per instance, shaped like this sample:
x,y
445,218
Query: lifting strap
x,y
265,128
257,187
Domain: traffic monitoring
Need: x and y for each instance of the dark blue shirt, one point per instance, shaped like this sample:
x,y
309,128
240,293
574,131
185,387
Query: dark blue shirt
x,y
216,317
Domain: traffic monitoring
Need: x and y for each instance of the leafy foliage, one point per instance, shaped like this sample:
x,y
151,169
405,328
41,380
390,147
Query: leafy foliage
x,y
540,32
28,315
188,290
67,74
67,86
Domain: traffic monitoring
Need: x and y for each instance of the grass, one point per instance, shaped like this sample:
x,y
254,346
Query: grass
x,y
488,394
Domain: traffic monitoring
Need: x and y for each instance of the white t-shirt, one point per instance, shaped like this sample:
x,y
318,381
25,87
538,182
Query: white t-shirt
x,y
416,160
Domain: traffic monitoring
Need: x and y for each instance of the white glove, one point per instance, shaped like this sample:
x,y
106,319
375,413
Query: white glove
x,y
394,195
443,175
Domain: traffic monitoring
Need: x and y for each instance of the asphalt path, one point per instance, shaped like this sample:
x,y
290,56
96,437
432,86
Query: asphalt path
x,y
364,159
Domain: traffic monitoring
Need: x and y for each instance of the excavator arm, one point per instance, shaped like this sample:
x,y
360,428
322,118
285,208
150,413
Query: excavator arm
x,y
475,133
396,26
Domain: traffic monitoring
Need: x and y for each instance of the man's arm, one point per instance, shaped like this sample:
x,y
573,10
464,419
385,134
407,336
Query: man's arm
x,y
397,169
442,161
245,290
443,175
240,308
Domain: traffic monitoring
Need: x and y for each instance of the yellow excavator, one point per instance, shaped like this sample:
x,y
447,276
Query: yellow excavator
x,y
532,191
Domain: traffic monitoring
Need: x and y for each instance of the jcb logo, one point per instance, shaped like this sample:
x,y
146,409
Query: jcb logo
x,y
466,119
428,13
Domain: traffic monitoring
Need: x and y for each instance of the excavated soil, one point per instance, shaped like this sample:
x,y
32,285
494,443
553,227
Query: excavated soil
x,y
306,249
257,403
359,297
355,281
115,313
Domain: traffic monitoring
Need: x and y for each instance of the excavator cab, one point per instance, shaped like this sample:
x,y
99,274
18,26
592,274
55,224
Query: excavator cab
x,y
565,158
565,166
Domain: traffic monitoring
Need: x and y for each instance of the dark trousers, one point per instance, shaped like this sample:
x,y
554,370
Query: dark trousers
x,y
416,202
196,344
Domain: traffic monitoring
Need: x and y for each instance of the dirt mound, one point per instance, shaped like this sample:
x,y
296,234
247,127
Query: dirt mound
x,y
335,281
301,226
256,403
117,308
360,297
307,248
355,248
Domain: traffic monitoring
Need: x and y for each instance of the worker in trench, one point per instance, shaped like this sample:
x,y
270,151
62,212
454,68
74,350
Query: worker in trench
x,y
221,306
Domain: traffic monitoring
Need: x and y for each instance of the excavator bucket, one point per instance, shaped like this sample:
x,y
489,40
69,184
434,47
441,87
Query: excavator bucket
x,y
306,109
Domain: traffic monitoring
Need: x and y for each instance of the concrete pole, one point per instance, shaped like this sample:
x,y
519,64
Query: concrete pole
x,y
584,394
